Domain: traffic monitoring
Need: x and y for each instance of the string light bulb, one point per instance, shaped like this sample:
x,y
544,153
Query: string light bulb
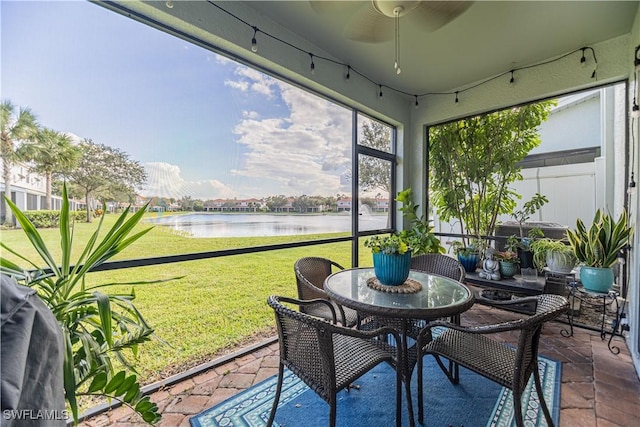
x,y
594,75
512,80
348,76
417,104
254,42
397,14
380,94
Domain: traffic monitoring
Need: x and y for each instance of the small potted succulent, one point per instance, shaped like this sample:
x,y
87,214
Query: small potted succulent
x,y
391,258
598,248
508,262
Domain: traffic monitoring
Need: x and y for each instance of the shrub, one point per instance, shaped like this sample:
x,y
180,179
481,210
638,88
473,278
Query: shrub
x,y
51,219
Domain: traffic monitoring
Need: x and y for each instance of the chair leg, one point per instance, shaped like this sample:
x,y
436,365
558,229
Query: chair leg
x,y
452,372
332,412
543,403
398,399
420,391
276,399
517,407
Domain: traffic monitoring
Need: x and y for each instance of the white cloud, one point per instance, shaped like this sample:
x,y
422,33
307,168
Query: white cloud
x,y
305,152
249,78
166,180
250,114
240,85
223,59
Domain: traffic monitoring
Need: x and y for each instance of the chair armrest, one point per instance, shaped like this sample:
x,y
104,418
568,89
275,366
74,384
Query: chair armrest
x,y
483,329
299,302
335,264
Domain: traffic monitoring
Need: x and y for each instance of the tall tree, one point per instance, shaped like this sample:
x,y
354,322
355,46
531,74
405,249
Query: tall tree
x,y
374,173
104,171
186,203
15,126
50,152
276,202
473,161
304,203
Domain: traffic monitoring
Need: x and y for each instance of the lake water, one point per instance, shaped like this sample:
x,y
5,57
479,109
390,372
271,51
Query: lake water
x,y
246,225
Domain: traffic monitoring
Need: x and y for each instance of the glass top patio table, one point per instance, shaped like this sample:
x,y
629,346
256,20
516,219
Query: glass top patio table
x,y
439,297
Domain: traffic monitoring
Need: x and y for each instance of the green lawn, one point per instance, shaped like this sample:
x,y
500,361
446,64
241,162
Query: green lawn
x,y
218,305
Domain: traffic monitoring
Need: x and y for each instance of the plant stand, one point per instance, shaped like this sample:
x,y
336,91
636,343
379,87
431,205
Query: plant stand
x,y
582,296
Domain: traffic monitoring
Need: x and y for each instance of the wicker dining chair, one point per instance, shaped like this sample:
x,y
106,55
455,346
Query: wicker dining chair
x,y
441,264
502,363
328,357
310,275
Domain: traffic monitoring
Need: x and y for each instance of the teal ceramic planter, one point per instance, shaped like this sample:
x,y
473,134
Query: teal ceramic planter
x,y
469,262
508,269
392,270
596,279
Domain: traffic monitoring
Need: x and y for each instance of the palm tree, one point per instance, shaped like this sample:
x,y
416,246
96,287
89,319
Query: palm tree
x,y
51,152
14,127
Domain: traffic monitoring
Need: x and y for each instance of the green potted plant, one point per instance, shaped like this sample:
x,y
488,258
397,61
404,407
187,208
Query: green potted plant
x,y
97,327
528,209
598,247
420,236
391,258
522,216
469,256
557,255
508,262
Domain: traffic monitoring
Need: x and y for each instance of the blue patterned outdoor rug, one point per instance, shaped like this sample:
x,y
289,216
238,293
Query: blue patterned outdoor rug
x,y
474,402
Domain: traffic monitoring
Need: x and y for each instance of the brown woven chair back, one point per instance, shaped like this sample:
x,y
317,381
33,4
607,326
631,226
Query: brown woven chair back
x,y
443,265
310,275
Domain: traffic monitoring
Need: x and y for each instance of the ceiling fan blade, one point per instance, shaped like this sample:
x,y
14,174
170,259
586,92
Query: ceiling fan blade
x,y
431,15
325,7
369,26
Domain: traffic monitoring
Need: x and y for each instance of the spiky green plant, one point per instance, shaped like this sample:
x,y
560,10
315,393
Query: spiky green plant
x,y
97,327
600,245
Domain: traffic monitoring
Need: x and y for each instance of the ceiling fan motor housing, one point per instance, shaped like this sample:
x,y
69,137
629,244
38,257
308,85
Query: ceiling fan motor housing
x,y
394,9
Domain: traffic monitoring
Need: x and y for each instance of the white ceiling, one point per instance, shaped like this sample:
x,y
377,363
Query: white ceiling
x,y
489,38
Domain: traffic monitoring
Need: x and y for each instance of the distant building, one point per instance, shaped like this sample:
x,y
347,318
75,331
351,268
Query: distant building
x,y
28,192
344,205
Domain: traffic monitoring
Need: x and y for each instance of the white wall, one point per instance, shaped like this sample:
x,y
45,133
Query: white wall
x,y
580,109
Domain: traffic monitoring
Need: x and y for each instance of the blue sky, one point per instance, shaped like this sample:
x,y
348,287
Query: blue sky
x,y
201,125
